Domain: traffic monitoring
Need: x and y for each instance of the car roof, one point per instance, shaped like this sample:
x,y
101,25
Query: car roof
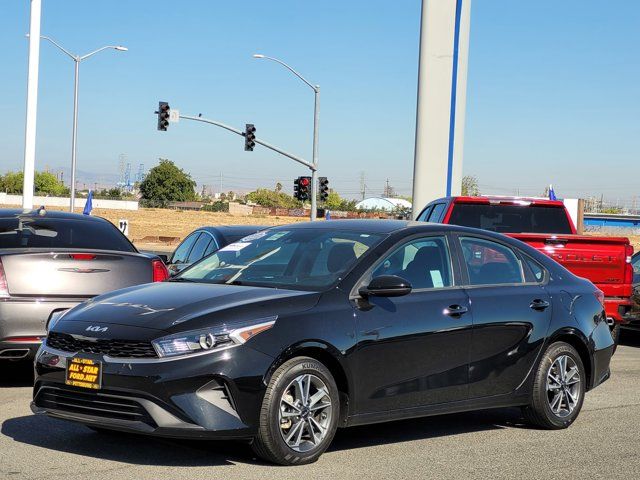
x,y
505,200
48,214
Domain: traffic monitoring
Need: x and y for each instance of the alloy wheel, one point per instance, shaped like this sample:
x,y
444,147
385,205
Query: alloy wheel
x,y
305,413
563,386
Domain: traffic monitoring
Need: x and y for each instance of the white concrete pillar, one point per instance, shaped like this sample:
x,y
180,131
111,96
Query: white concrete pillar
x,y
440,113
32,106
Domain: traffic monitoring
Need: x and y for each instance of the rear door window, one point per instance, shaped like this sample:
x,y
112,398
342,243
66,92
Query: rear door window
x,y
425,214
436,214
182,252
490,263
199,247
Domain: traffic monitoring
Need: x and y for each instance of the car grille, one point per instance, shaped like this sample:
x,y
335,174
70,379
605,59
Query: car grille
x,y
93,404
112,348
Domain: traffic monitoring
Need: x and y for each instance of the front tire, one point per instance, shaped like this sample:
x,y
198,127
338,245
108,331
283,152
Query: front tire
x,y
558,388
299,414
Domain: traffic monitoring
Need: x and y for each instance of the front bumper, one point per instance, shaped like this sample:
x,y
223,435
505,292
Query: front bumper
x,y
217,395
23,319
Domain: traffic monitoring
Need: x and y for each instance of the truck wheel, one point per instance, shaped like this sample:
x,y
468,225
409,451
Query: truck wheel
x,y
299,414
558,388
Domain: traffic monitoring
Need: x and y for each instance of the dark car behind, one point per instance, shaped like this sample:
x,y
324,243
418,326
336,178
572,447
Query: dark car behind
x,y
206,240
51,261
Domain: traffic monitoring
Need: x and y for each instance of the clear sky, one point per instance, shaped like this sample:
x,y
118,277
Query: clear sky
x,y
553,90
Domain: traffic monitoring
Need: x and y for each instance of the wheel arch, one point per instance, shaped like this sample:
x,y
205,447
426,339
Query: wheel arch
x,y
579,341
330,357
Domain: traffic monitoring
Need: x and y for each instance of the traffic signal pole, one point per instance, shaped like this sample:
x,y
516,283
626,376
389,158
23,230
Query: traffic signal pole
x,y
310,166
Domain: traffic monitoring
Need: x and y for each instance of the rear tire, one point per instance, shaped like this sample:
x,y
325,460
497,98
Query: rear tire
x,y
558,388
299,414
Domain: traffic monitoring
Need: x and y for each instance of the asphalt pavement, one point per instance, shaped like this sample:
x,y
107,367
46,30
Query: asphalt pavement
x,y
603,443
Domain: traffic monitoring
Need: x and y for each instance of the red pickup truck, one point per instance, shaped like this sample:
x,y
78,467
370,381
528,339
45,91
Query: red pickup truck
x,y
547,226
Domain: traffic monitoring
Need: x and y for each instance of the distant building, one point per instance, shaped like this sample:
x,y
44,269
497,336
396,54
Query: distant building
x,y
383,203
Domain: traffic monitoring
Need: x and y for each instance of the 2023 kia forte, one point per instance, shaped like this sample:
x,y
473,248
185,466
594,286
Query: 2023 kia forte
x,y
292,332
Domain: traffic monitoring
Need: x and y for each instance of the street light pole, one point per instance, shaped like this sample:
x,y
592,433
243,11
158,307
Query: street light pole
x,y
74,135
316,125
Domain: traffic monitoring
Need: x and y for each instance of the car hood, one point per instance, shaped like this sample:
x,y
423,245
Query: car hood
x,y
172,306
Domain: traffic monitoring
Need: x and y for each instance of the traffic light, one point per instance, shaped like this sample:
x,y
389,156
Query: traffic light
x,y
302,188
324,189
163,116
249,137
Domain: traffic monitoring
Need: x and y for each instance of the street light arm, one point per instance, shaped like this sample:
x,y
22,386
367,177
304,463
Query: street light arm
x,y
314,87
74,57
115,47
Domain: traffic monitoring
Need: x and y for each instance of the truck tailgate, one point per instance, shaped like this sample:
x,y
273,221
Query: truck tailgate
x,y
602,260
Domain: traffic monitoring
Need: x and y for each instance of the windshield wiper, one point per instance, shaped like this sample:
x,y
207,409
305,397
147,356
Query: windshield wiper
x,y
181,279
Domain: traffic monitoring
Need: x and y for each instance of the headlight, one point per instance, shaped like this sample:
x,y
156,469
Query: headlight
x,y
55,318
211,339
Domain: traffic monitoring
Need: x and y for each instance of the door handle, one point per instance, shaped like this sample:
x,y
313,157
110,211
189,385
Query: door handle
x,y
539,304
455,310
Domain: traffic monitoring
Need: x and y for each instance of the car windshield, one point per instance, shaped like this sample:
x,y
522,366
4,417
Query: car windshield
x,y
636,269
301,259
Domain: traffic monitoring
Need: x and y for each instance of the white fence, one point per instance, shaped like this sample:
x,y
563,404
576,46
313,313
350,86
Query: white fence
x,y
6,199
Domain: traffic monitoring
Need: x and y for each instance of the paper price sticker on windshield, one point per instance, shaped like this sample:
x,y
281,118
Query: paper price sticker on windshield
x,y
235,247
85,373
254,236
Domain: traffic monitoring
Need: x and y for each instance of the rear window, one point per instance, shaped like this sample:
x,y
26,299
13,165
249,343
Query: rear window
x,y
511,218
61,233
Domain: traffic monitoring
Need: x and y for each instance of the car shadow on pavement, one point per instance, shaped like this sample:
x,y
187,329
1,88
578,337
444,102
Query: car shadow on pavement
x,y
74,438
426,428
630,338
77,439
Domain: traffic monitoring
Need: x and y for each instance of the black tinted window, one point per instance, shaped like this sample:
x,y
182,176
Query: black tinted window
x,y
424,214
61,233
489,263
181,253
197,252
436,213
536,269
511,218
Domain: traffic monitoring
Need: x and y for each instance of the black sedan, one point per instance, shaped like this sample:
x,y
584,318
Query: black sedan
x,y
295,331
634,316
204,241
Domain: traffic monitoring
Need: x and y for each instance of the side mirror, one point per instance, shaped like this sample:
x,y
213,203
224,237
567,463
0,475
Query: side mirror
x,y
386,286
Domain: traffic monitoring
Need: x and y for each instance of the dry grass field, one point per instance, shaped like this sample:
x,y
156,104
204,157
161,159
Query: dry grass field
x,y
150,222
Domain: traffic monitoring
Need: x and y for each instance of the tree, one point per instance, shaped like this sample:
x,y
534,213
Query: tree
x,y
167,183
336,202
272,198
470,186
47,183
12,182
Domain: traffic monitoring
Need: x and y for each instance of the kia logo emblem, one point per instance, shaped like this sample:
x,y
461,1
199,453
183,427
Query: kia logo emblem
x,y
96,328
